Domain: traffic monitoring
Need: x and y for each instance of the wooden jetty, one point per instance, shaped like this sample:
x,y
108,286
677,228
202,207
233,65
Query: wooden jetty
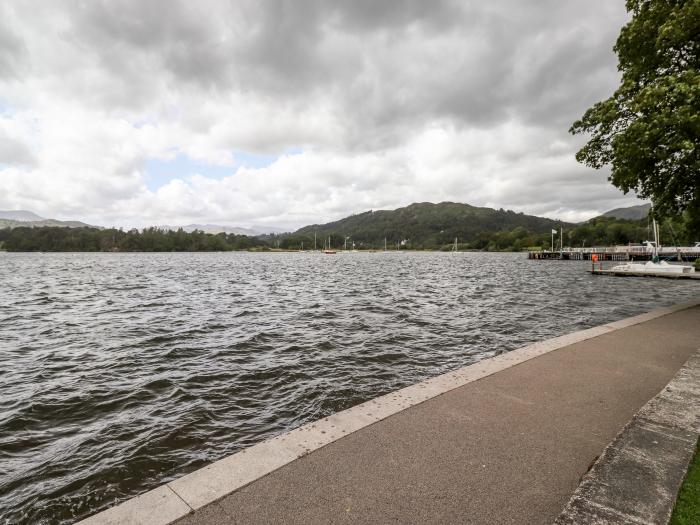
x,y
618,253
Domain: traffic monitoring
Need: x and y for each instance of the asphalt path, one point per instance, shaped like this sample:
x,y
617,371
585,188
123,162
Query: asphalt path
x,y
508,448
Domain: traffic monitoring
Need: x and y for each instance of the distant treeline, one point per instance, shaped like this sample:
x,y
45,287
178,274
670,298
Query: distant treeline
x,y
52,239
601,231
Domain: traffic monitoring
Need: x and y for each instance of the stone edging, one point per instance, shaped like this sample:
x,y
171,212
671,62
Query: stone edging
x,y
637,478
178,498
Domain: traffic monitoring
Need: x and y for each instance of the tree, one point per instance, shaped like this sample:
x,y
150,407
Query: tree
x,y
648,130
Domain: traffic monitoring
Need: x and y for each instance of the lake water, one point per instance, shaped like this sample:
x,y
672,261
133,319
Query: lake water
x,y
119,372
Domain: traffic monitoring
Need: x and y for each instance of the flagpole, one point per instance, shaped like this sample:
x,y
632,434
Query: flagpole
x,y
552,240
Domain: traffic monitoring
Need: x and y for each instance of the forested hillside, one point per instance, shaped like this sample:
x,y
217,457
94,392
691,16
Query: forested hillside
x,y
427,225
631,213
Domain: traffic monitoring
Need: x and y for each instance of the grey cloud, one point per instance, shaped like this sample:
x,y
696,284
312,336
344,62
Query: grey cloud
x,y
139,41
369,15
15,152
382,66
12,50
345,77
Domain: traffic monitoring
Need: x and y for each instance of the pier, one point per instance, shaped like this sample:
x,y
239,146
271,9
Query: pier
x,y
618,253
505,440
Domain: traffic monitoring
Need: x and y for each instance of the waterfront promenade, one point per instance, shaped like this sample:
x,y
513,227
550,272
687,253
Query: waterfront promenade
x,y
502,441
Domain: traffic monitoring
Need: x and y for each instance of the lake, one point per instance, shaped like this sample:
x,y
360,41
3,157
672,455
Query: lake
x,y
123,371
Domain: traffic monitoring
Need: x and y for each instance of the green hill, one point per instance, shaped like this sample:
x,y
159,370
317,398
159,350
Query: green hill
x,y
427,225
9,223
24,218
631,213
20,215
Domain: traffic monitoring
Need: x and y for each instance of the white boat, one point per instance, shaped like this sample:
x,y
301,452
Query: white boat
x,y
655,265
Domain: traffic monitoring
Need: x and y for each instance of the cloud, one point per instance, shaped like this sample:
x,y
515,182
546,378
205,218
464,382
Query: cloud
x,y
383,103
14,148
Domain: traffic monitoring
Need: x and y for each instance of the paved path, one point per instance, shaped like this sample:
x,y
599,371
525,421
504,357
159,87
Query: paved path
x,y
508,448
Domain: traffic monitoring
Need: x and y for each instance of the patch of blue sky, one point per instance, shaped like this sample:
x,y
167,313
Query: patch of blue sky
x,y
253,160
159,172
5,108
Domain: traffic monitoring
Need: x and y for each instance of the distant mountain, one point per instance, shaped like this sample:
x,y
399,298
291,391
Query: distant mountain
x,y
19,215
217,228
631,213
18,218
426,224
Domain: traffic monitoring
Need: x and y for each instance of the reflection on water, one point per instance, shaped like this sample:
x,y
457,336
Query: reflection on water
x,y
122,371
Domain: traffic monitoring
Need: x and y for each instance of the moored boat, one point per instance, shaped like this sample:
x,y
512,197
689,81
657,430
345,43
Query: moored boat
x,y
655,266
327,247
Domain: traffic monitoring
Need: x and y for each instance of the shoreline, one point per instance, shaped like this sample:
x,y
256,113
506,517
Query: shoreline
x,y
177,499
275,250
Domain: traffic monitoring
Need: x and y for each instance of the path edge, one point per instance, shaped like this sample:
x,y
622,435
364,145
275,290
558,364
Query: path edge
x,y
178,498
639,474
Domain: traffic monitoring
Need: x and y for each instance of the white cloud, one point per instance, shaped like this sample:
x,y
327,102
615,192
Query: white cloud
x,y
389,105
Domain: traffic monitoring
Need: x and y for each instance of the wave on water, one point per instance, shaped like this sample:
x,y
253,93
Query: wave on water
x,y
123,371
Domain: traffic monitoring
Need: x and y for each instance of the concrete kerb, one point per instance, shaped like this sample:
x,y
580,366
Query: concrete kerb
x,y
638,476
229,474
159,506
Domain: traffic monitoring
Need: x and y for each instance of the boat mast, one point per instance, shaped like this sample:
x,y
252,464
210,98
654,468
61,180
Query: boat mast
x,y
553,232
561,242
656,238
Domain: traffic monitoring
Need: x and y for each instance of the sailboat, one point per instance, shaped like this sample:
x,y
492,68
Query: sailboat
x,y
655,265
327,250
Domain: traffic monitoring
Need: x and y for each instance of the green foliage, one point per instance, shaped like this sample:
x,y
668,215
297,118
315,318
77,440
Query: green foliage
x,y
604,231
648,130
687,509
600,231
608,231
52,239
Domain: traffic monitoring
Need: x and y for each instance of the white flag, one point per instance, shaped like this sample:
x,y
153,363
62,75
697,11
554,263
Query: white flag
x,y
554,231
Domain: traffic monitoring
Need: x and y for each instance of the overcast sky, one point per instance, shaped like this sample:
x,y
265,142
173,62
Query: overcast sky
x,y
284,113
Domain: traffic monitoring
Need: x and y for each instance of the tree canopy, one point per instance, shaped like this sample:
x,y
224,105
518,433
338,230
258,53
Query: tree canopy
x,y
648,130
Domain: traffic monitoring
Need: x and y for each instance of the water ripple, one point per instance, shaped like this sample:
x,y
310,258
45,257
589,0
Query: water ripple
x,y
123,371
